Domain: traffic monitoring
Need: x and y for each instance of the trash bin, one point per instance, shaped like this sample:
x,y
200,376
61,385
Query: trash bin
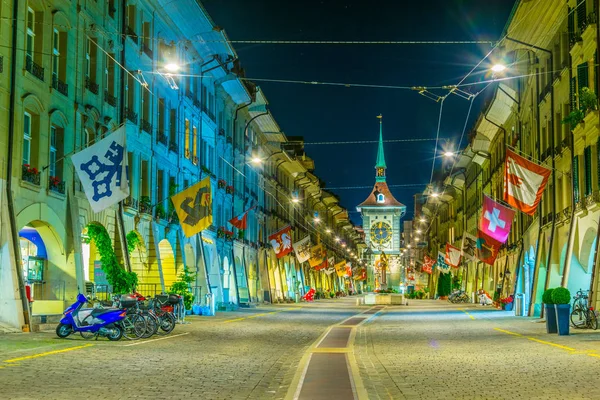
x,y
519,305
210,304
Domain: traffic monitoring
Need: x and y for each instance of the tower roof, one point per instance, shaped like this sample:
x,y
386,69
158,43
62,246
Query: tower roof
x,y
380,155
381,188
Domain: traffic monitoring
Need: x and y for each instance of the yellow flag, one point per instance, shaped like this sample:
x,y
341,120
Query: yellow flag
x,y
194,207
340,268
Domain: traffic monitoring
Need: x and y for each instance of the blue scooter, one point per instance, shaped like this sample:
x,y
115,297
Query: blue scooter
x,y
90,322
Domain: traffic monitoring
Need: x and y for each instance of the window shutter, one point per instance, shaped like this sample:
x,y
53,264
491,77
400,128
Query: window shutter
x,y
573,102
587,153
576,178
581,16
571,26
583,76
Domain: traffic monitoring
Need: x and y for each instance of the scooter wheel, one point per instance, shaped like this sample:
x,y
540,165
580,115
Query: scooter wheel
x,y
63,330
116,333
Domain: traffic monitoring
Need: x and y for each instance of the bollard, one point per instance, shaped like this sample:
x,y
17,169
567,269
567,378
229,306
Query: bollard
x,y
210,304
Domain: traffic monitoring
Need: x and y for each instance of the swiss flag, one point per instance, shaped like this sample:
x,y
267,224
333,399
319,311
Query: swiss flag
x,y
495,220
524,182
452,255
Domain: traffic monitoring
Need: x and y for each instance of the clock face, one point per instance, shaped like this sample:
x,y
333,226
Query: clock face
x,y
381,233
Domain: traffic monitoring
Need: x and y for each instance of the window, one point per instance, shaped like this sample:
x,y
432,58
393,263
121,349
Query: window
x,y
91,59
109,75
187,138
112,8
380,198
27,139
173,128
89,138
56,152
30,40
55,54
52,156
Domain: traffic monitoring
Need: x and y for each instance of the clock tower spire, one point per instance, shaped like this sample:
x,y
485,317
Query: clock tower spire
x,y
380,164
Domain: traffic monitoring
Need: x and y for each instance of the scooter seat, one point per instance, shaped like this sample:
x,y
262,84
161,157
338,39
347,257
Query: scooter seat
x,y
100,311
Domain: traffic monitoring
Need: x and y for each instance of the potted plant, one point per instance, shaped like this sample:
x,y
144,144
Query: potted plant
x,y
507,303
561,297
549,311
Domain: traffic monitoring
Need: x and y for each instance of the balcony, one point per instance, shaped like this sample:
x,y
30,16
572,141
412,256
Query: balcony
x,y
146,126
1,64
197,103
131,34
162,138
147,51
221,132
131,203
60,86
110,99
195,160
91,85
131,115
173,147
34,69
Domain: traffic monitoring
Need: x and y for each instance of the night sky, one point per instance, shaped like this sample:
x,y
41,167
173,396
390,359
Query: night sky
x,y
329,113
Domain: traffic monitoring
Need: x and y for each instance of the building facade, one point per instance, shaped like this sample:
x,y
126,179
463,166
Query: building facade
x,y
72,73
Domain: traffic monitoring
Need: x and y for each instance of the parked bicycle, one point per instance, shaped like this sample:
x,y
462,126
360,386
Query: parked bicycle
x,y
459,296
583,316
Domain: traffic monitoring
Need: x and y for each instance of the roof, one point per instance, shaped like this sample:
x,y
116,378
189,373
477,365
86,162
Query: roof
x,y
380,156
383,188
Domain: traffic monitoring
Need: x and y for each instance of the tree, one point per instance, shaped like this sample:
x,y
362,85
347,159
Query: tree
x,y
444,284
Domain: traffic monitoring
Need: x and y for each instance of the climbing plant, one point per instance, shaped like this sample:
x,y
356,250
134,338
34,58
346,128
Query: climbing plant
x,y
120,280
182,287
133,240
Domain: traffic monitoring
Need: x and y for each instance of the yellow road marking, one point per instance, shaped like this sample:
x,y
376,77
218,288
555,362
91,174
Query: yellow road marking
x,y
551,344
48,353
465,311
507,332
594,355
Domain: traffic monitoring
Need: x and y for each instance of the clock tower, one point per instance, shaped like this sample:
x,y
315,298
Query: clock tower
x,y
381,214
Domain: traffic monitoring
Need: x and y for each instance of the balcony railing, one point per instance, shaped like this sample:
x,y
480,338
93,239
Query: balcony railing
x,y
34,69
91,85
131,34
131,202
173,147
131,115
162,138
1,64
56,185
30,174
110,99
147,50
146,126
60,86
197,103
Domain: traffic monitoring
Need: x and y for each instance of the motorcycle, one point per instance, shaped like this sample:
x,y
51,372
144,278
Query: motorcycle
x,y
90,322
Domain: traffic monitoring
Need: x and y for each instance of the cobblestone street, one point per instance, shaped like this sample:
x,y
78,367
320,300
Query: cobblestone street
x,y
428,350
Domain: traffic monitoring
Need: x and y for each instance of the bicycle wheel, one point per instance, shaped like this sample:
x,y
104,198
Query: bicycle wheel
x,y
592,319
578,318
151,325
134,326
167,322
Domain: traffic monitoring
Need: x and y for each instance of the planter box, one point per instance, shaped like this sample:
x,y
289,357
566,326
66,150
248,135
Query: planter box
x,y
384,298
550,314
563,311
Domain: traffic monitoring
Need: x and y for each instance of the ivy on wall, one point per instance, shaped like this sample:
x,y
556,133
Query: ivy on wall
x,y
120,280
133,240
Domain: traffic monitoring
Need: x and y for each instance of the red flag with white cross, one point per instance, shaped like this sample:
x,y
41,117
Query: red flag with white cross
x,y
524,182
496,220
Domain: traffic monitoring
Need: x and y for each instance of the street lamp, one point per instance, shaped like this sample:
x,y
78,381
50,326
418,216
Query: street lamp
x,y
256,160
448,154
172,67
498,67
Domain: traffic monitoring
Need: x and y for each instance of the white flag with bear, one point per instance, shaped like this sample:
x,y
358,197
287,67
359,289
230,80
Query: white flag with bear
x,y
102,170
